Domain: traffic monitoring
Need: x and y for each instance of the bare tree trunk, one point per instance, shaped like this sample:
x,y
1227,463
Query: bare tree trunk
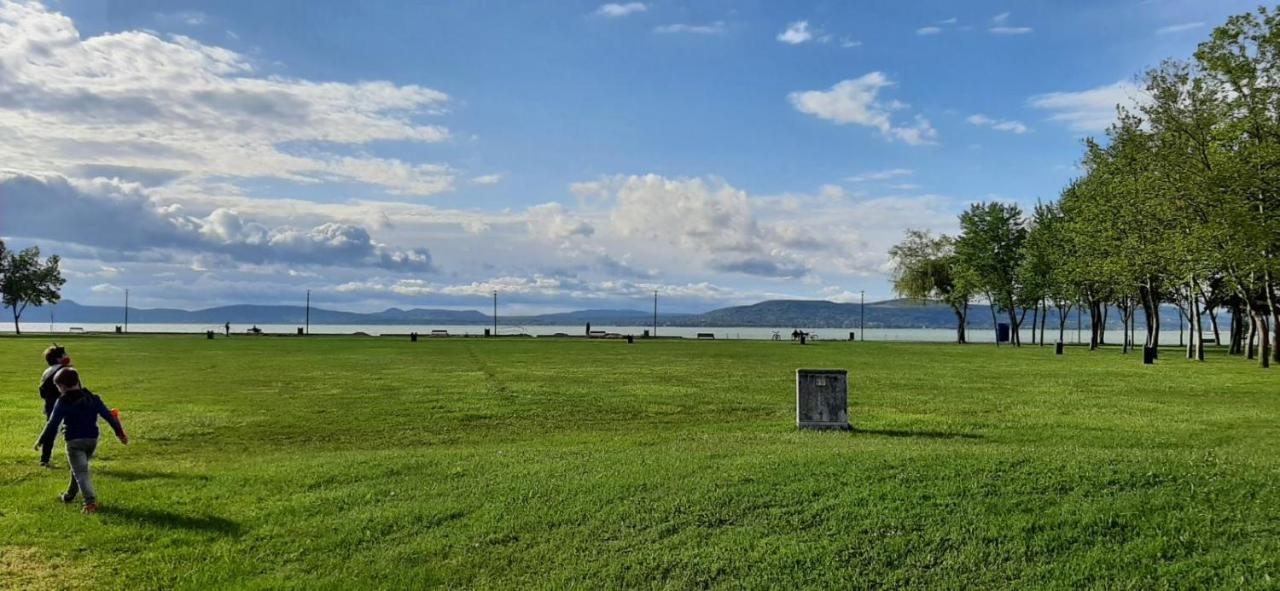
x,y
1102,328
1015,324
1044,316
1249,347
1197,331
1035,318
995,324
17,330
961,313
1213,321
1264,341
1063,312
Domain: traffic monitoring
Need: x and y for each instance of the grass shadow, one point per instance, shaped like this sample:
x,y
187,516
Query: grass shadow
x,y
171,520
916,434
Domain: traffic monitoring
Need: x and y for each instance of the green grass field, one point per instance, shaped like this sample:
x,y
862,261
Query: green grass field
x,y
340,463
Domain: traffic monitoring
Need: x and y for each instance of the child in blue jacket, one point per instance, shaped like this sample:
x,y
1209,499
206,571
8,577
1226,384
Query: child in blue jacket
x,y
79,409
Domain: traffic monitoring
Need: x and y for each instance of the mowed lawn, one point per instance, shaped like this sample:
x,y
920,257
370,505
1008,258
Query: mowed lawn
x,y
347,462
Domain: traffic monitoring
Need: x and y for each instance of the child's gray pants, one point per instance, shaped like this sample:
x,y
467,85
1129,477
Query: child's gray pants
x,y
79,451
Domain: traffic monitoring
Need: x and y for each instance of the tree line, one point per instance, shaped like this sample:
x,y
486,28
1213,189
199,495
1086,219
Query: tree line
x,y
1178,204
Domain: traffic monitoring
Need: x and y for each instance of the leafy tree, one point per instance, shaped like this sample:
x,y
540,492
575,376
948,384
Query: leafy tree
x,y
989,250
25,280
924,268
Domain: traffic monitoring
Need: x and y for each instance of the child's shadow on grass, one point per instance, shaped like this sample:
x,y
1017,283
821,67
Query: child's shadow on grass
x,y
171,520
916,434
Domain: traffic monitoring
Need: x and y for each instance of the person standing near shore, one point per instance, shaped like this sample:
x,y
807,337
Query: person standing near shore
x,y
79,409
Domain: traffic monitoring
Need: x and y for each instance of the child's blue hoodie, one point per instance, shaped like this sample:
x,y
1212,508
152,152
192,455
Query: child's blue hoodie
x,y
80,410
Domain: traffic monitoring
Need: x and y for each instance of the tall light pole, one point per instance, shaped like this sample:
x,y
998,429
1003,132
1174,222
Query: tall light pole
x,y
126,310
495,312
655,313
308,316
862,315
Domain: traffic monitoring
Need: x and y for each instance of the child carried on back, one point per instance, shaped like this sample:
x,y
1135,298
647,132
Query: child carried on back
x,y
79,409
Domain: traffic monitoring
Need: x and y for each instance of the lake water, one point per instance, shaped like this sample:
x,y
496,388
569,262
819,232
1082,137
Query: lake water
x,y
938,335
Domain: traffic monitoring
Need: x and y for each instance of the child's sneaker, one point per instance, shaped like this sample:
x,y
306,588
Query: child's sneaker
x,y
91,508
64,498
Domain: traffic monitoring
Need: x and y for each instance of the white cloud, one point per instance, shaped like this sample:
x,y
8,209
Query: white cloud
x,y
715,28
796,33
123,218
612,10
550,220
928,30
488,179
951,21
1000,26
135,100
881,175
1091,110
855,102
1178,28
1011,126
848,42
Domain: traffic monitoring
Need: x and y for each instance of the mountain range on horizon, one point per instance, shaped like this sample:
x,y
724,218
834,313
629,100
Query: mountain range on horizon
x,y
897,313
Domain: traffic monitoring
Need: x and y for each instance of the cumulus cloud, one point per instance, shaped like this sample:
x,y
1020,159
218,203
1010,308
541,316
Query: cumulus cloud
x,y
613,10
1089,111
857,102
121,217
928,30
1011,126
133,99
796,33
706,221
552,221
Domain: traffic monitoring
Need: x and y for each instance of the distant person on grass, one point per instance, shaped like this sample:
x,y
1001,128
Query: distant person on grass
x,y
79,409
56,358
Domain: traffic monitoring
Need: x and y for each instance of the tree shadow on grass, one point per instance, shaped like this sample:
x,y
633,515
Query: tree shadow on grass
x,y
170,520
916,434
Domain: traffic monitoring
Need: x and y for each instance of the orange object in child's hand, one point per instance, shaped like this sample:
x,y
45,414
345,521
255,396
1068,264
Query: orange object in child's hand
x,y
115,413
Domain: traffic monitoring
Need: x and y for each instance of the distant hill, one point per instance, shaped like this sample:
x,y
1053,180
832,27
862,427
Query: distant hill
x,y
771,314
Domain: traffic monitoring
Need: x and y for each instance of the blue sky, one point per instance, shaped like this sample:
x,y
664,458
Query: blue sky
x,y
567,154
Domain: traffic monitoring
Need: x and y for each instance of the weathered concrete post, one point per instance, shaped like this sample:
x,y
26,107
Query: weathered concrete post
x,y
822,399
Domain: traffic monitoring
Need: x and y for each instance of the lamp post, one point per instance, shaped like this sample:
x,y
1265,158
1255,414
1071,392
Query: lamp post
x,y
126,310
307,318
495,312
862,315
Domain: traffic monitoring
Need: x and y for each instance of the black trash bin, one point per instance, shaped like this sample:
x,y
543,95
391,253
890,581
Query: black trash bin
x,y
1057,349
1148,355
208,334
1002,332
413,337
630,339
